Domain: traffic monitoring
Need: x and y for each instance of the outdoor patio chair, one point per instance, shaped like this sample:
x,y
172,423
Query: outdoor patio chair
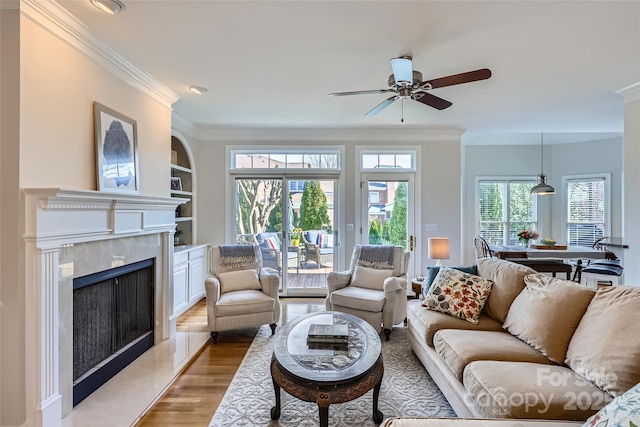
x,y
271,248
374,288
318,246
242,293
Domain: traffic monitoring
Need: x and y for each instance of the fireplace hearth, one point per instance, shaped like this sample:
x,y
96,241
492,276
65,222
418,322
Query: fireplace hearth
x,y
112,323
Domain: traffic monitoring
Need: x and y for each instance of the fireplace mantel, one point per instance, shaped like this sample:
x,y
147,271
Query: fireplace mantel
x,y
56,220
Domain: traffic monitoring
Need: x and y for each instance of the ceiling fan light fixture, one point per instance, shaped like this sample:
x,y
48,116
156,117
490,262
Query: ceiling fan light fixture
x,y
198,89
542,188
402,70
112,7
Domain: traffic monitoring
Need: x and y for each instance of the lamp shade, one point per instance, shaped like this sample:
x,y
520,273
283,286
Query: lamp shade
x,y
438,248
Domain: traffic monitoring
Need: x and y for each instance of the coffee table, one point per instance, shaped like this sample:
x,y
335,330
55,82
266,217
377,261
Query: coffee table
x,y
327,376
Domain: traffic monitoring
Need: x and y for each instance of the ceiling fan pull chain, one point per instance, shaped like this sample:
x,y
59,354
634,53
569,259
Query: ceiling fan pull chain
x,y
402,109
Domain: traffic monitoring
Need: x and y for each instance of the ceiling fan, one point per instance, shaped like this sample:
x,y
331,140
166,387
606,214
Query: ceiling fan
x,y
405,82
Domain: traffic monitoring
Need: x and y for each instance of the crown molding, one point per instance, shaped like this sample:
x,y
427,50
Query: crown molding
x,y
59,22
630,93
370,134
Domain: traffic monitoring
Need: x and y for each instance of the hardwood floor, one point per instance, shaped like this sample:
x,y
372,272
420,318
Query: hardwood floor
x,y
193,397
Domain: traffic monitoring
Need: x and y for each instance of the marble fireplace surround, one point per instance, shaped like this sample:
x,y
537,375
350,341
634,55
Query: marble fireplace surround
x,y
72,233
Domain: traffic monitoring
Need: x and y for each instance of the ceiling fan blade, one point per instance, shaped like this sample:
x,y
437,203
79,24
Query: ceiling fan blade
x,y
431,100
361,92
384,104
456,79
402,70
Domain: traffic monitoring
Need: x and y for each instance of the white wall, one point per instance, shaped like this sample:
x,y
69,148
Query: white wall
x,y
524,160
48,90
631,230
439,186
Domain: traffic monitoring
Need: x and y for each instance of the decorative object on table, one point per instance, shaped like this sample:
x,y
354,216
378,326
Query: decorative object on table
x,y
337,334
116,151
526,235
547,241
296,235
176,183
542,188
176,237
438,249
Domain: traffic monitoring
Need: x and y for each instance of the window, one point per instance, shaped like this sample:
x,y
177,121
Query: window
x,y
396,160
587,209
374,197
279,159
505,208
296,186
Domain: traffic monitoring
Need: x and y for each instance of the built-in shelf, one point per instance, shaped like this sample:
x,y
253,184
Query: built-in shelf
x,y
182,168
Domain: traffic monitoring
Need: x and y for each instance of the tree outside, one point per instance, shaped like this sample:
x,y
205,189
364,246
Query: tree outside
x,y
257,198
398,223
314,209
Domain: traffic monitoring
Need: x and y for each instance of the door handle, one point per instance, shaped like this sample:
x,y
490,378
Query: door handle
x,y
411,243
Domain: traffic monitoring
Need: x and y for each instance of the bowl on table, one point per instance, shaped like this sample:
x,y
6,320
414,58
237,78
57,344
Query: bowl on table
x,y
549,242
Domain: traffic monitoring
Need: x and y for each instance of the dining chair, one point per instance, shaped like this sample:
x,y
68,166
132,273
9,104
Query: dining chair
x,y
482,248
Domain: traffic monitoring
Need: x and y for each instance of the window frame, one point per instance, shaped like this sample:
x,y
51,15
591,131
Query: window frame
x,y
607,201
506,224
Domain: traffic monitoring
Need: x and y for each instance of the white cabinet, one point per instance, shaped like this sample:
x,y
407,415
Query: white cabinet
x,y
189,270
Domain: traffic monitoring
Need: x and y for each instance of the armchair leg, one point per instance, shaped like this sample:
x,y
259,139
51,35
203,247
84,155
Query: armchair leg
x,y
387,334
214,337
273,328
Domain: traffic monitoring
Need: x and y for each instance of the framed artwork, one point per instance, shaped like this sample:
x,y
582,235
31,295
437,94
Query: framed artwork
x,y
116,151
176,183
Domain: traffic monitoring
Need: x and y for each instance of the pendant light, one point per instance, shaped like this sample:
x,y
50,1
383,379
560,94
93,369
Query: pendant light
x,y
542,188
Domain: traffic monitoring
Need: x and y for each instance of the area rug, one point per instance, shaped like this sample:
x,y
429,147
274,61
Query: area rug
x,y
407,390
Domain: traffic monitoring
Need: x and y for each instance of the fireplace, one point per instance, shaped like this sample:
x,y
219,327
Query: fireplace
x,y
71,234
112,323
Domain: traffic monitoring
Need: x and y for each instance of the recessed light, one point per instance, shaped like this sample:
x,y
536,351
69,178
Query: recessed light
x,y
198,89
111,7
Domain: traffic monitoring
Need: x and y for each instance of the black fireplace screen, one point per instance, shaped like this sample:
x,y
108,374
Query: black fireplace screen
x,y
112,311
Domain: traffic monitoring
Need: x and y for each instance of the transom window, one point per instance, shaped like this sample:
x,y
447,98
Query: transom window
x,y
387,160
587,209
505,207
291,159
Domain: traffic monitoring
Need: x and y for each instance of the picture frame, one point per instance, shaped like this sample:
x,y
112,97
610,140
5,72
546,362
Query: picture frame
x,y
116,139
176,184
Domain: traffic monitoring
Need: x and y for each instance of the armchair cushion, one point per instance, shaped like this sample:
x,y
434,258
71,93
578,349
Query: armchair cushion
x,y
370,278
459,294
359,298
239,280
239,303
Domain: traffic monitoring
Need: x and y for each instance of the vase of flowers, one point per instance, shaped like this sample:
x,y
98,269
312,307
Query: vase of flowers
x,y
526,235
296,235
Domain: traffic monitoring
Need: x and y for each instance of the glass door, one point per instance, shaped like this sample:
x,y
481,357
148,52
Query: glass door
x,y
292,221
388,208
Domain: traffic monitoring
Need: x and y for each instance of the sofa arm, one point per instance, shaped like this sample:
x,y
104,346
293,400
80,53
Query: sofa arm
x,y
270,283
212,287
392,284
338,280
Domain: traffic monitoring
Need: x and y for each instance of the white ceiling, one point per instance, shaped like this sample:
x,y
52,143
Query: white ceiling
x,y
556,64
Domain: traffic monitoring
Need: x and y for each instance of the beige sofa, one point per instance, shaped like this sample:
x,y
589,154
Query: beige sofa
x,y
544,349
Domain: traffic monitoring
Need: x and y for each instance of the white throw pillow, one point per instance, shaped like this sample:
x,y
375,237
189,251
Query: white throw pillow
x,y
370,278
239,280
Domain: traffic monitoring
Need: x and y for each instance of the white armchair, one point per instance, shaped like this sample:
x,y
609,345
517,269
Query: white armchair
x,y
241,294
374,288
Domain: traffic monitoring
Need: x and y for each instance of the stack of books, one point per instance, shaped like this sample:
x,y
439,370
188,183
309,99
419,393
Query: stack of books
x,y
323,336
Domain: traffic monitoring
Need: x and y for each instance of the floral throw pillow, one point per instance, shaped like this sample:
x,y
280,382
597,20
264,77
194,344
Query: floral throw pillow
x,y
458,294
624,410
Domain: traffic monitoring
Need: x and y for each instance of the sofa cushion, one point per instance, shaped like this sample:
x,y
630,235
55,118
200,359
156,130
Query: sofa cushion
x,y
605,347
433,271
458,348
459,294
235,303
358,298
370,278
428,322
508,281
531,390
623,411
239,280
547,312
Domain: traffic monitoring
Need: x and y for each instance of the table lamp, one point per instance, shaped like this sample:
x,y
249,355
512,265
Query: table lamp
x,y
438,249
